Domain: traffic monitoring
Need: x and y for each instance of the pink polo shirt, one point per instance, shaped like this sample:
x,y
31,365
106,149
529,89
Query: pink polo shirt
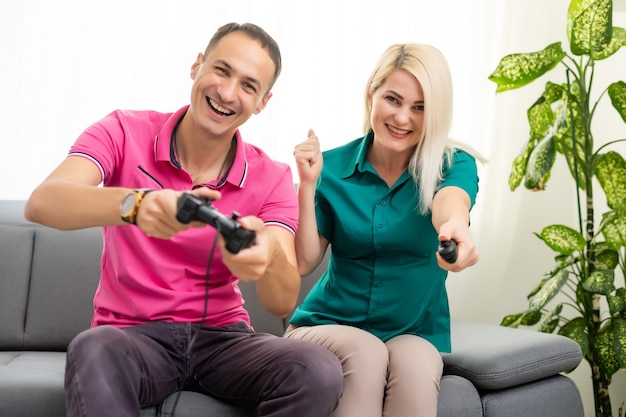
x,y
148,279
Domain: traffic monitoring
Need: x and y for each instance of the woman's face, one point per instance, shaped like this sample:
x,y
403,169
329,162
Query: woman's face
x,y
397,115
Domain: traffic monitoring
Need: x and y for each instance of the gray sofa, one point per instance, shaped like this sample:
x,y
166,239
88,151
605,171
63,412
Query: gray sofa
x,y
47,282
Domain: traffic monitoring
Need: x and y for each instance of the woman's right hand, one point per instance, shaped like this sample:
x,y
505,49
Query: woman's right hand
x,y
309,159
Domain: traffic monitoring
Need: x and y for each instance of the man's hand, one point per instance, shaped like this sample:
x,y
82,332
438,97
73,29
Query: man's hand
x,y
251,263
157,213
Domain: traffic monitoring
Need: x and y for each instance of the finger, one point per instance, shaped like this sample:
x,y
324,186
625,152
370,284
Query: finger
x,y
206,192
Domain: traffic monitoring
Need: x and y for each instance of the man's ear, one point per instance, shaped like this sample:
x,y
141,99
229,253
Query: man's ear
x,y
263,103
196,65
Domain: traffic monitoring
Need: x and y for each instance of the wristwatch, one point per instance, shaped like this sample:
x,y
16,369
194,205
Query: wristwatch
x,y
130,204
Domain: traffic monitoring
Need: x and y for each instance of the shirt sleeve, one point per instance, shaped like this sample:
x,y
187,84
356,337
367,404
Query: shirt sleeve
x,y
101,143
462,173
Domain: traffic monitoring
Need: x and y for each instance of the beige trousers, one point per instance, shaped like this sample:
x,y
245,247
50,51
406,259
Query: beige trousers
x,y
399,378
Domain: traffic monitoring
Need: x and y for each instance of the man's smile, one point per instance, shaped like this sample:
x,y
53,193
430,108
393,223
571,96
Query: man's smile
x,y
219,109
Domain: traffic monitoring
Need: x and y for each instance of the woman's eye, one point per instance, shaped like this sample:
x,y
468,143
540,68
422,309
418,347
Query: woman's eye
x,y
419,107
391,99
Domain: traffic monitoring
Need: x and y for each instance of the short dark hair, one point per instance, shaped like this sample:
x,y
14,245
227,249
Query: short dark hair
x,y
254,32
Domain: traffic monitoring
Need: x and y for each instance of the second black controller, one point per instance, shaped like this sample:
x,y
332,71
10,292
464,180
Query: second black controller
x,y
447,250
192,208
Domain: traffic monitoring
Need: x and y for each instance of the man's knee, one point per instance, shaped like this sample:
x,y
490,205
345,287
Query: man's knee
x,y
320,370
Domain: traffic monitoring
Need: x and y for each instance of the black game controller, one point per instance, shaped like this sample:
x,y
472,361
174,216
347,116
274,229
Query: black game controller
x,y
192,208
447,250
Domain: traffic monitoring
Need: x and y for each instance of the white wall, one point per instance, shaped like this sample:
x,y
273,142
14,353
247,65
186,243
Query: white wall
x,y
69,62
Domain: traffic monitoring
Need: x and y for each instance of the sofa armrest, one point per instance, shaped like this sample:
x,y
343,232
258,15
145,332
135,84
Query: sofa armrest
x,y
497,357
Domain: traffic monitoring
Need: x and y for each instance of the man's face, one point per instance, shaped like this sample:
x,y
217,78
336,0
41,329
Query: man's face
x,y
230,84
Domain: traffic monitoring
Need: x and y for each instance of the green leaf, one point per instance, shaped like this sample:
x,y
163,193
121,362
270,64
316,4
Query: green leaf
x,y
591,29
517,70
563,239
617,41
549,289
613,228
539,164
617,92
530,318
604,352
512,320
551,320
600,282
606,258
577,331
610,169
617,302
573,150
519,167
619,341
540,117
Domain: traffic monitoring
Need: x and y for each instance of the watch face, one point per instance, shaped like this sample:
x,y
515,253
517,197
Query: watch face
x,y
128,203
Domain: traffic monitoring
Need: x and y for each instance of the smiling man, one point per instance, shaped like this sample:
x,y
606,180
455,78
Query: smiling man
x,y
168,311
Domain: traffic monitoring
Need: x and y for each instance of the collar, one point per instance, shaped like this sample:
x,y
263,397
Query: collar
x,y
359,162
164,151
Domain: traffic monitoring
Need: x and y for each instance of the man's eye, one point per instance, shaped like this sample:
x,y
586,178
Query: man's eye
x,y
249,86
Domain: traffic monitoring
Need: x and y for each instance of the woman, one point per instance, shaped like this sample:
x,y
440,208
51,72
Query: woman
x,y
384,202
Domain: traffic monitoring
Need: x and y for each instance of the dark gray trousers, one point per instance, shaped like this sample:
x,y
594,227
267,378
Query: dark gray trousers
x,y
116,371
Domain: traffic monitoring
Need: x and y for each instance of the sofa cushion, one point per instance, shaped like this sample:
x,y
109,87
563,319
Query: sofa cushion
x,y
31,384
193,404
458,397
555,396
496,357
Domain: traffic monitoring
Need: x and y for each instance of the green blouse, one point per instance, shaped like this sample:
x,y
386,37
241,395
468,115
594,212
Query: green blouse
x,y
383,275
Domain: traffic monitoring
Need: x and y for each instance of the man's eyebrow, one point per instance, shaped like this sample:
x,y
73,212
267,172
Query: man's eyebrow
x,y
251,80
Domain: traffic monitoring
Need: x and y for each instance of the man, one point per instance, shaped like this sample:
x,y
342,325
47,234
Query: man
x,y
168,312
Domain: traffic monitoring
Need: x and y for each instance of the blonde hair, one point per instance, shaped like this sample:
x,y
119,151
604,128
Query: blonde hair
x,y
430,68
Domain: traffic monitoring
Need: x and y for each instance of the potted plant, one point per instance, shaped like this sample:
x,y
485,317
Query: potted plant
x,y
583,296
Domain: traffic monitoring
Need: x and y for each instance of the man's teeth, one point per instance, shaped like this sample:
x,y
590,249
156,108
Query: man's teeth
x,y
219,108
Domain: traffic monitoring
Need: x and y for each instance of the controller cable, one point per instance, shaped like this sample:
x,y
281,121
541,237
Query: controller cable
x,y
204,311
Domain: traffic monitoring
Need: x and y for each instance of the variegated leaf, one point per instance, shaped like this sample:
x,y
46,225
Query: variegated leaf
x,y
539,164
530,318
563,239
519,167
548,291
610,169
600,282
591,30
618,39
551,320
605,258
613,228
619,341
577,331
517,70
512,320
617,92
605,353
616,302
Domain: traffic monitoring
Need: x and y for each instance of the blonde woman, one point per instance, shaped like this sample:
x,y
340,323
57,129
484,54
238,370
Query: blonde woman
x,y
384,202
